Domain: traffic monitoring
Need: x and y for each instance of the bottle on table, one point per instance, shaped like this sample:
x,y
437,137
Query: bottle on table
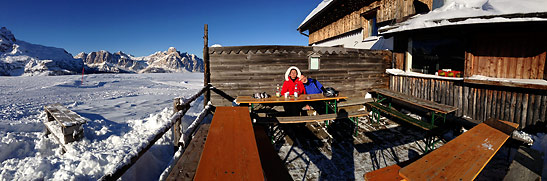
x,y
295,90
277,93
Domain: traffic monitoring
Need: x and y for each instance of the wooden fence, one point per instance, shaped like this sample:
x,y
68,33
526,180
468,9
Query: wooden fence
x,y
250,69
479,102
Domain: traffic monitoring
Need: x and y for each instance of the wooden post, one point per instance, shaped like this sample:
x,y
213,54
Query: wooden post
x,y
206,70
176,127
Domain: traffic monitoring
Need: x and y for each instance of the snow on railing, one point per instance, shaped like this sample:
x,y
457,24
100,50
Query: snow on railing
x,y
185,140
182,105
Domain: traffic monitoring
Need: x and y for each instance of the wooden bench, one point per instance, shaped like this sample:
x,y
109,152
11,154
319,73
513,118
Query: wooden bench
x,y
384,174
438,111
401,116
230,151
186,166
352,115
65,125
463,158
354,101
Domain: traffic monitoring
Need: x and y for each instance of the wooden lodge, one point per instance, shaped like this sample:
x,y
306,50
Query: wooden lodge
x,y
355,23
502,74
500,66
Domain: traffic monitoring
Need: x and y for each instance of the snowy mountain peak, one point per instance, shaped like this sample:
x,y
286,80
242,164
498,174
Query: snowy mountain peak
x,y
162,61
7,39
21,58
171,50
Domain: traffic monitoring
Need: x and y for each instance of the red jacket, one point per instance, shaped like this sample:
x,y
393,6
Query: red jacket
x,y
288,86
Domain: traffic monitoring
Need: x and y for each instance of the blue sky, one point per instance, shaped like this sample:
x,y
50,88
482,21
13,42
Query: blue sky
x,y
144,27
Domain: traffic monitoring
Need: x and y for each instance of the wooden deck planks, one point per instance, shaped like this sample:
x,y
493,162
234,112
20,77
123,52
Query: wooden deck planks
x,y
460,159
274,168
230,152
186,166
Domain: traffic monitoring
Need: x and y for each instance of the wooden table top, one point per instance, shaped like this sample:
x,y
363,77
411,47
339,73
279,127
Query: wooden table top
x,y
462,158
300,98
427,104
230,151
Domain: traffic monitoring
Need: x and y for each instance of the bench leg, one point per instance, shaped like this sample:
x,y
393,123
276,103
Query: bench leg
x,y
439,116
375,115
356,121
430,143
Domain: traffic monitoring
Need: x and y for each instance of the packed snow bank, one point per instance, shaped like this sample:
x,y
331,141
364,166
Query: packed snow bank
x,y
471,11
420,75
508,80
125,112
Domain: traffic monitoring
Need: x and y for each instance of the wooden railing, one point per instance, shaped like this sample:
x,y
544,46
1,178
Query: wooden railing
x,y
523,106
180,109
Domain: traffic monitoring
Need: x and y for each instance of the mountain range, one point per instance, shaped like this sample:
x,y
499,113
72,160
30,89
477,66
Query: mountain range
x,y
22,58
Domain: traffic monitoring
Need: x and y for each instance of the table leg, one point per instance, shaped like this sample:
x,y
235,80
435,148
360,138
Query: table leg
x,y
327,112
433,118
335,106
356,121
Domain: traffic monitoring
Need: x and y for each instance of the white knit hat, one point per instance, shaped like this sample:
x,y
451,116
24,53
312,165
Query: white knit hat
x,y
289,71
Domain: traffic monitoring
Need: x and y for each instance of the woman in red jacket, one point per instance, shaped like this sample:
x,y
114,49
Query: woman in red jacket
x,y
291,79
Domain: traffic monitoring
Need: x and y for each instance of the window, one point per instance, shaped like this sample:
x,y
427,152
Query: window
x,y
370,28
313,63
430,56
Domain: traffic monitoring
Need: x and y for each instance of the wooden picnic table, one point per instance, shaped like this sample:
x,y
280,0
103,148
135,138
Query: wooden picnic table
x,y
463,158
430,105
230,151
437,109
300,98
329,102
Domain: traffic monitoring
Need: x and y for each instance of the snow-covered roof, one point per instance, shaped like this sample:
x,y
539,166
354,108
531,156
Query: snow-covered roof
x,y
315,11
458,12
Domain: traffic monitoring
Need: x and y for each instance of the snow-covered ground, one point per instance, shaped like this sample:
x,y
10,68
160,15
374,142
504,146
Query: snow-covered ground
x,y
125,110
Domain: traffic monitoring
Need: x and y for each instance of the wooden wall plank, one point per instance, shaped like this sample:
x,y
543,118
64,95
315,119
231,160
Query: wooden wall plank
x,y
543,107
510,108
465,100
536,108
542,74
518,109
524,111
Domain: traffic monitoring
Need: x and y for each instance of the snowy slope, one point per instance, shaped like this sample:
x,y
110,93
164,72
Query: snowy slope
x,y
472,10
125,110
21,58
